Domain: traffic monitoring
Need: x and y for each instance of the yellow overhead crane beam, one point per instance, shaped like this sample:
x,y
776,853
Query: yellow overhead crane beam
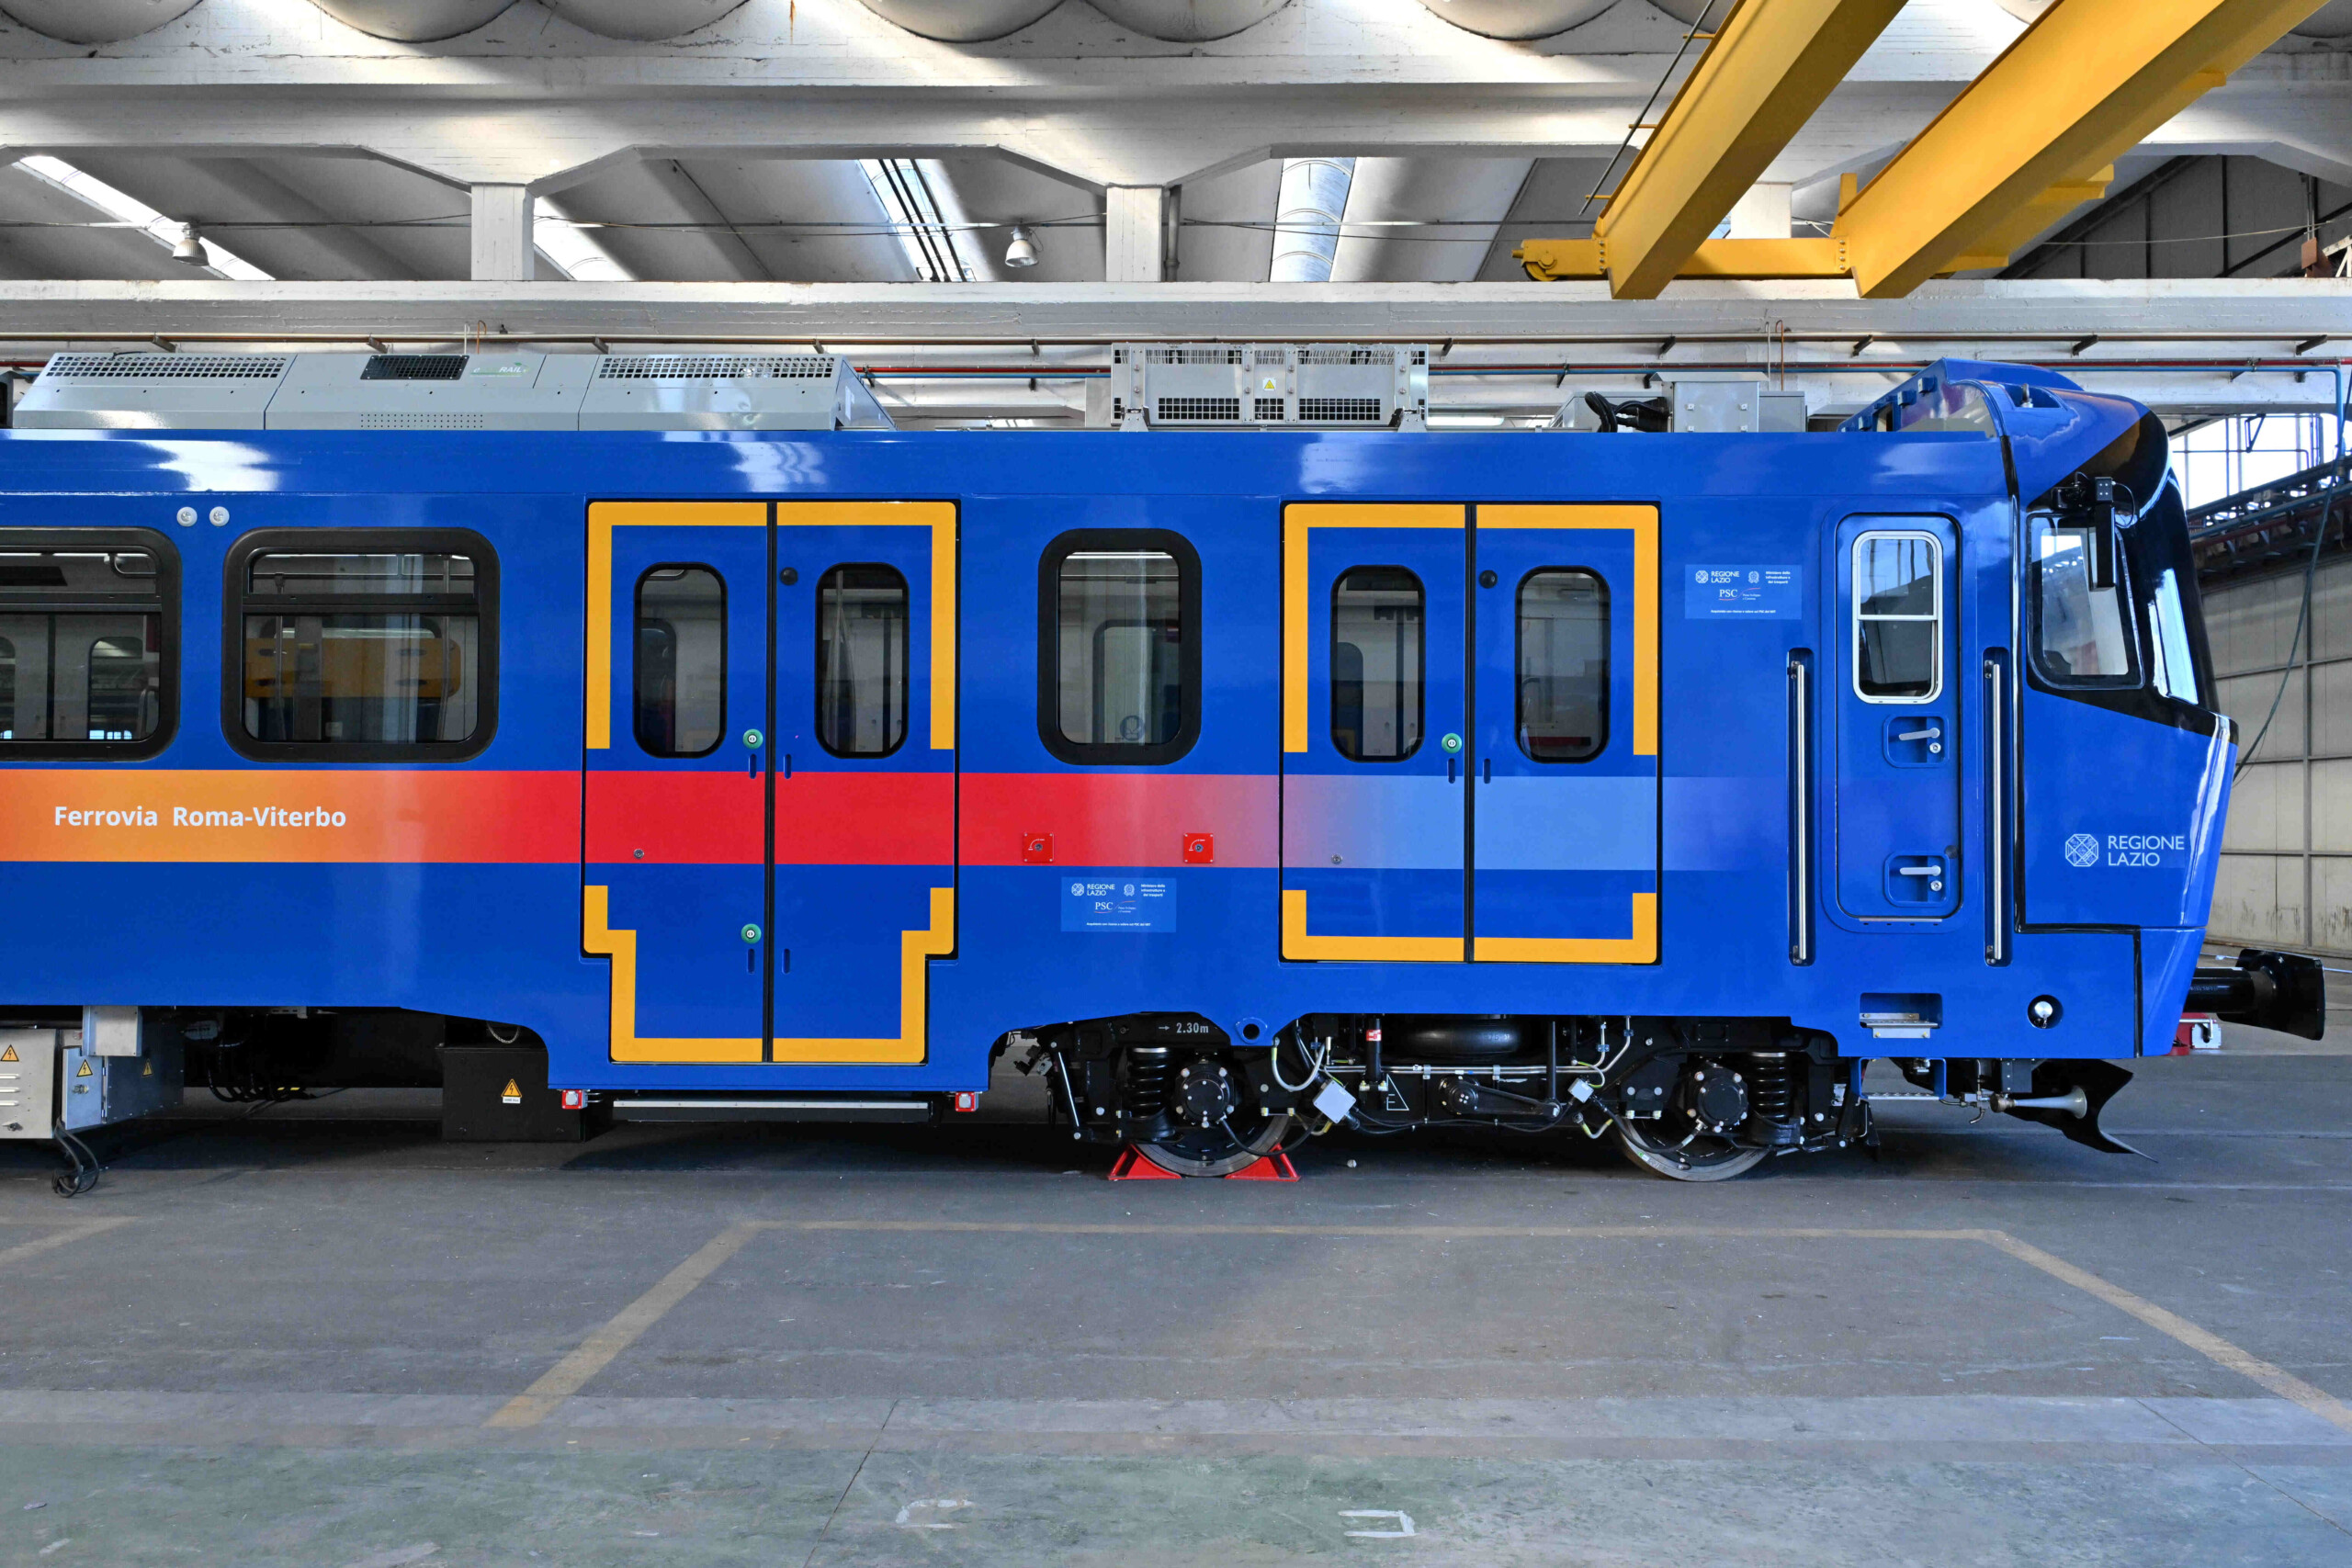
x,y
2028,141
1760,79
2088,80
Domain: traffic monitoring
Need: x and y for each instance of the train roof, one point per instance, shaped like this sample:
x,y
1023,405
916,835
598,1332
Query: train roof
x,y
2051,427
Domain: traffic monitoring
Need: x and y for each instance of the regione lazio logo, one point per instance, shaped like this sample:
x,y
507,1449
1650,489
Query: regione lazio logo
x,y
2082,849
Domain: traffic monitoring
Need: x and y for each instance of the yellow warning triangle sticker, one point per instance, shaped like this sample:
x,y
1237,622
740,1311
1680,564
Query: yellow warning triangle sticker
x,y
8,1054
146,1069
85,1070
513,1091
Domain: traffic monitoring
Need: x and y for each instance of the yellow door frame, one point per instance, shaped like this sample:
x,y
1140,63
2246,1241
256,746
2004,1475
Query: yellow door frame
x,y
916,948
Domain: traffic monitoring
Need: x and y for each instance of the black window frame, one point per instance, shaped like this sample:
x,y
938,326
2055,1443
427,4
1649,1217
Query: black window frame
x,y
237,602
1420,679
1608,664
167,577
905,671
1113,754
2126,604
637,658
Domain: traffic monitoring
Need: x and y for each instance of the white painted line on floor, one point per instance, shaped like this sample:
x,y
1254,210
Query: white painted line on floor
x,y
568,1376
595,1353
1404,1523
2206,1343
74,1231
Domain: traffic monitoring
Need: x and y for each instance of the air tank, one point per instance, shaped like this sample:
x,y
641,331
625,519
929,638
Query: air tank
x,y
96,21
1188,21
1518,19
412,21
645,19
961,21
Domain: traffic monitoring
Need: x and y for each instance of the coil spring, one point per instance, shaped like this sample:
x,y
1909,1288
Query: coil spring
x,y
1149,1068
1773,1086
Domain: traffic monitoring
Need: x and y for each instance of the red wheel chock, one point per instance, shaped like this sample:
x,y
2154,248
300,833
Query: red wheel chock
x,y
1133,1165
1271,1166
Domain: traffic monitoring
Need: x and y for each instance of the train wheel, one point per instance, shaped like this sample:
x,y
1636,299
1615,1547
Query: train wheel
x,y
1697,1158
1219,1151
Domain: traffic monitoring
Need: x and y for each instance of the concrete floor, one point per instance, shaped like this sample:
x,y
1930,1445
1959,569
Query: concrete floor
x,y
299,1339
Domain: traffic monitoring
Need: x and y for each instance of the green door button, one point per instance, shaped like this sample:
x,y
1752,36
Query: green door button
x,y
1452,744
752,933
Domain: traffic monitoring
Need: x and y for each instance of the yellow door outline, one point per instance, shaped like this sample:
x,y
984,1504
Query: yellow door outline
x,y
1299,521
1640,946
916,948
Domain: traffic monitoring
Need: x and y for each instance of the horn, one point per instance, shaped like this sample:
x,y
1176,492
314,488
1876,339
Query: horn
x,y
2074,1103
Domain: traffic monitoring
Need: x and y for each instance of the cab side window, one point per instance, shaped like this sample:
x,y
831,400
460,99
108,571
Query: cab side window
x,y
2081,619
89,632
1898,616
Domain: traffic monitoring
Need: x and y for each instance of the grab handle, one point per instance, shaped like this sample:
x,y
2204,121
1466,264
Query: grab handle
x,y
1799,807
1997,815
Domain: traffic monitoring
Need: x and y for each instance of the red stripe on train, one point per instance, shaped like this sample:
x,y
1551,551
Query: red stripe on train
x,y
717,818
1100,818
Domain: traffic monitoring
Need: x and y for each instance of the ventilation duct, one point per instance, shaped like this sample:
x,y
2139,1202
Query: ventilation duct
x,y
96,21
1306,218
645,19
1464,201
1519,19
1188,21
961,21
412,21
1690,13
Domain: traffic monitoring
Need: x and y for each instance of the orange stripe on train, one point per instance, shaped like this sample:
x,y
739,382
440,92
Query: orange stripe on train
x,y
289,814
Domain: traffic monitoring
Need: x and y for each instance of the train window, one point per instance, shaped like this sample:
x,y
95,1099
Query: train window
x,y
87,628
1563,703
2082,626
1898,618
1119,659
680,703
2174,667
1376,647
862,660
362,645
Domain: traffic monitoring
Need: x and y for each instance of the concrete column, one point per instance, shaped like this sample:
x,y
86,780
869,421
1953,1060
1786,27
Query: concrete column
x,y
1134,223
501,235
1763,213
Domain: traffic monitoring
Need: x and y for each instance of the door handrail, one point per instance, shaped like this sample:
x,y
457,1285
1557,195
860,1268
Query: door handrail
x,y
1801,807
1997,821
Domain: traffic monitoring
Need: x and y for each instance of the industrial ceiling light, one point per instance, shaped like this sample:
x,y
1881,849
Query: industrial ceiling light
x,y
1023,251
189,247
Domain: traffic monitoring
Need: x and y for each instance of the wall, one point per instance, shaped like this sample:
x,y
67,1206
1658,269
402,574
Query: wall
x,y
2287,857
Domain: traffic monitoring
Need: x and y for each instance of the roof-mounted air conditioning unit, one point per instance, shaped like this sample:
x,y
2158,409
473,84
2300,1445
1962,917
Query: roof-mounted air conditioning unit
x,y
1269,385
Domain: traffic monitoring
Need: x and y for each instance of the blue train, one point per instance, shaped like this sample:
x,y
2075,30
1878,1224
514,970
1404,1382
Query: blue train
x,y
1238,782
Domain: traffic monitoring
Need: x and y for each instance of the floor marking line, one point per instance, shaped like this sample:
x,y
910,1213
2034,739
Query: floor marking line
x,y
1418,1232
76,1230
594,1354
2205,1342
